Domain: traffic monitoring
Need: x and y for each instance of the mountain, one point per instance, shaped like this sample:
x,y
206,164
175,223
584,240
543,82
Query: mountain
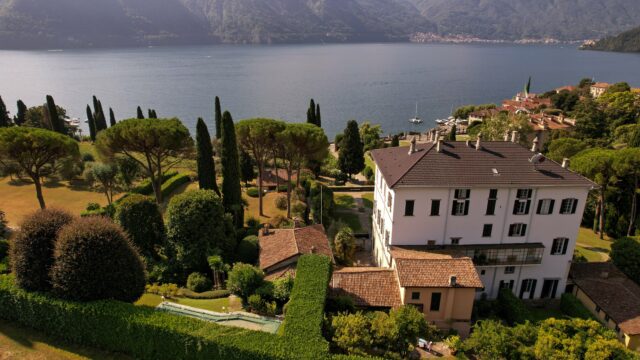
x,y
87,23
628,41
520,19
102,23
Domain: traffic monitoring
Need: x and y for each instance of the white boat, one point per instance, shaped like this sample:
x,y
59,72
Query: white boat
x,y
416,119
441,121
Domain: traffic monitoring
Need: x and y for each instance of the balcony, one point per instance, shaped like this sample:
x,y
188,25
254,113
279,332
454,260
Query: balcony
x,y
504,254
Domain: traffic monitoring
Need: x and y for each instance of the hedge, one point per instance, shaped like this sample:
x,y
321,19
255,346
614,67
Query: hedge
x,y
253,192
171,184
305,310
512,309
146,187
571,306
212,294
146,333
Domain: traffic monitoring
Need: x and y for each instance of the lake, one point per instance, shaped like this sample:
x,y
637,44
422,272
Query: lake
x,y
377,82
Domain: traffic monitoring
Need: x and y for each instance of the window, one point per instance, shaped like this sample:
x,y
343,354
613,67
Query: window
x,y
568,206
559,246
461,202
545,207
486,230
415,295
491,203
455,241
435,301
549,288
506,284
431,242
517,229
435,207
482,272
606,318
389,200
386,238
509,269
522,202
408,207
528,288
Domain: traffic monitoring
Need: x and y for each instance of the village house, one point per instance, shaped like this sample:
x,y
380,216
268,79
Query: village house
x,y
611,296
598,89
505,209
281,248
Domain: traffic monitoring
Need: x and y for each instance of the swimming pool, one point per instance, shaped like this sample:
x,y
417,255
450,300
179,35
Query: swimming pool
x,y
237,319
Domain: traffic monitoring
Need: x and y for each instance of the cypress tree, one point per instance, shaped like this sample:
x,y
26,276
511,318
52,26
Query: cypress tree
x,y
92,124
101,120
140,113
22,113
247,173
152,114
4,114
311,113
206,165
395,141
218,118
56,123
231,190
318,116
112,117
351,155
453,133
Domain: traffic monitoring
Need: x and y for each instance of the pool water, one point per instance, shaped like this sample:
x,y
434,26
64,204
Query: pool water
x,y
237,319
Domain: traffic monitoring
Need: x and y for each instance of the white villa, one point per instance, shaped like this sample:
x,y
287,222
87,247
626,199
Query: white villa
x,y
505,208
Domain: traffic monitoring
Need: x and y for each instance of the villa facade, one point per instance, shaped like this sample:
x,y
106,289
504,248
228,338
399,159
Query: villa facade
x,y
507,210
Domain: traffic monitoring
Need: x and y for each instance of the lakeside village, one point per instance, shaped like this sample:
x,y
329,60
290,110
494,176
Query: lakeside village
x,y
505,232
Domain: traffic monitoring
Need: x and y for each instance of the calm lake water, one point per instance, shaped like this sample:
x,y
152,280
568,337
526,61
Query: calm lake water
x,y
376,82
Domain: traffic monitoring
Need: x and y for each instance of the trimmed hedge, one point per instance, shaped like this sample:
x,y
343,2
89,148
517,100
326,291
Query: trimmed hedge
x,y
305,310
253,192
146,187
212,294
571,306
171,184
512,309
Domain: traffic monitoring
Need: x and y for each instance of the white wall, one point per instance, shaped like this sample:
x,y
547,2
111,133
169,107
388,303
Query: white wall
x,y
421,227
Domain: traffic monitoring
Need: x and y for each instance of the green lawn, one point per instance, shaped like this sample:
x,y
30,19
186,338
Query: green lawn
x,y
367,199
217,305
591,247
344,202
17,342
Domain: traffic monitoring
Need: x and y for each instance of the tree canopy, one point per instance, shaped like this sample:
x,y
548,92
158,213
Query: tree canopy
x,y
156,144
351,154
36,151
204,158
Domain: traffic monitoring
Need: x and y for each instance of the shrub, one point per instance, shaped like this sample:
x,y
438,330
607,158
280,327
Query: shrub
x,y
142,332
253,192
256,303
624,254
31,251
198,282
512,309
3,224
146,187
197,227
93,260
454,343
368,173
571,306
340,304
344,246
247,251
173,183
244,280
280,222
298,208
266,290
281,202
282,289
93,206
4,248
87,157
166,290
141,218
212,294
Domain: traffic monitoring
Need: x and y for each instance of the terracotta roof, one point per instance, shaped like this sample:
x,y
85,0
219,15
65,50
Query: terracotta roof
x,y
616,294
459,165
283,272
601,85
430,268
368,286
282,244
566,88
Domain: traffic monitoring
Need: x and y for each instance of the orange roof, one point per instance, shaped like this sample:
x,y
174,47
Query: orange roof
x,y
283,244
601,85
368,286
421,268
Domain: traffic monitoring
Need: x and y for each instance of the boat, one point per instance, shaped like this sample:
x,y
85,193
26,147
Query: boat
x,y
416,119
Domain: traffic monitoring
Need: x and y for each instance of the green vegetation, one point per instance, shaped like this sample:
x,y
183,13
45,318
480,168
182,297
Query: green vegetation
x,y
344,246
244,280
206,165
571,306
232,199
198,282
138,209
628,41
36,152
625,253
351,154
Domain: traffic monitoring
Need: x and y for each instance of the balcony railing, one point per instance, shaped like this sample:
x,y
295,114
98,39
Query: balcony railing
x,y
505,254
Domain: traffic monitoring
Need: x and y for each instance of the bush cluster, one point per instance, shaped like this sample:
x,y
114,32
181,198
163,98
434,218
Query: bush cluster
x,y
571,306
32,249
212,294
141,218
198,282
93,260
146,187
512,309
281,202
173,183
166,290
253,192
247,251
244,280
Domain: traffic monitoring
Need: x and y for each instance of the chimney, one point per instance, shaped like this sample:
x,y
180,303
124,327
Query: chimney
x,y
506,135
534,147
437,136
265,229
412,146
439,145
514,136
566,162
452,280
468,142
478,141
